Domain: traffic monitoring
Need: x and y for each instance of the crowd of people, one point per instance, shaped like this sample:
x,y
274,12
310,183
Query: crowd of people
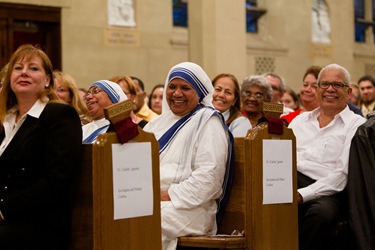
x,y
45,116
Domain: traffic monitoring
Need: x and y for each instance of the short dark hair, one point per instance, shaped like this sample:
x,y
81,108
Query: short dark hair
x,y
141,84
367,78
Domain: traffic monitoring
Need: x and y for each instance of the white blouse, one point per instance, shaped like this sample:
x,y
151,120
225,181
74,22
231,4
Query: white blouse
x,y
238,126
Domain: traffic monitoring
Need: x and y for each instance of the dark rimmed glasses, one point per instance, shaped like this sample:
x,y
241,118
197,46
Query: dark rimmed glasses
x,y
335,85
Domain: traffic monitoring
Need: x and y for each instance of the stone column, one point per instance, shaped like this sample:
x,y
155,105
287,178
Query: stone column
x,y
217,36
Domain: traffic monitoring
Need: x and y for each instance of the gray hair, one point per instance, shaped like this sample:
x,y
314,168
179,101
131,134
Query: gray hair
x,y
259,81
281,79
336,67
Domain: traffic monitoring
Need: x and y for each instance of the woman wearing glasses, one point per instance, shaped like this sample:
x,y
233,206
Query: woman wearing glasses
x,y
100,95
255,89
226,98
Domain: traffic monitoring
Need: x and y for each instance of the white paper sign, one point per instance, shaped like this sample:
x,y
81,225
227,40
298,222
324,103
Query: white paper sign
x,y
277,171
132,180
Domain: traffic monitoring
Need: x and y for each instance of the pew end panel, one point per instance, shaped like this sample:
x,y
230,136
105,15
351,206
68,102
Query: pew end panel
x,y
93,224
273,226
133,233
266,226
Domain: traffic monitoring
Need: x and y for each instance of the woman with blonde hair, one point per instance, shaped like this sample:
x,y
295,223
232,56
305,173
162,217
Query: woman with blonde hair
x,y
67,91
40,142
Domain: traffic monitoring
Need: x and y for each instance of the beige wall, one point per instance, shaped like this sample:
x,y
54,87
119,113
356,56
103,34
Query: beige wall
x,y
284,38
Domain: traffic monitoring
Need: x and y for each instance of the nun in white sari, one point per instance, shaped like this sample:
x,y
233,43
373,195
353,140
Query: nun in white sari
x,y
100,95
195,148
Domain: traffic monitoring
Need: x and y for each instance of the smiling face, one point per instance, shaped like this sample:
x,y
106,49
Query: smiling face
x,y
28,78
156,100
308,93
224,97
96,101
333,100
181,97
250,104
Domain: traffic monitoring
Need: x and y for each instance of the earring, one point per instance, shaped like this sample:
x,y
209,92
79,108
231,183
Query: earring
x,y
47,85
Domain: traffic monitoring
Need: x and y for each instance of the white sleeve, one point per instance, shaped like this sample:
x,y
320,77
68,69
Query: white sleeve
x,y
208,170
240,126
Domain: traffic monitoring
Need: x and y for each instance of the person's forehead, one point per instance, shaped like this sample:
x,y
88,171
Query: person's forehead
x,y
273,80
137,84
333,75
365,83
59,84
178,81
287,96
310,78
123,84
29,59
254,89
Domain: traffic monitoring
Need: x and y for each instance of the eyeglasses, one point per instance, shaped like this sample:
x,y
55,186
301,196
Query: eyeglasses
x,y
93,91
257,96
335,85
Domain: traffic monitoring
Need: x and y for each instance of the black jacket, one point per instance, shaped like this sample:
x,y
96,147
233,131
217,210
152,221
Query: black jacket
x,y
37,169
361,184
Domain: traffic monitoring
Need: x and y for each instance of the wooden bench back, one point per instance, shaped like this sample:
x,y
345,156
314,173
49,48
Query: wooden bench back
x,y
94,226
266,226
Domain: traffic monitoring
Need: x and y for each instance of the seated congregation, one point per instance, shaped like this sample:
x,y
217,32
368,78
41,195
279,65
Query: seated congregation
x,y
206,182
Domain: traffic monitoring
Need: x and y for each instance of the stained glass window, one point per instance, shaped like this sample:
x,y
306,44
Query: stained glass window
x,y
180,13
253,13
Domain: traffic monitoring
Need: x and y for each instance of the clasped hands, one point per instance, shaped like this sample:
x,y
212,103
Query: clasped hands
x,y
164,196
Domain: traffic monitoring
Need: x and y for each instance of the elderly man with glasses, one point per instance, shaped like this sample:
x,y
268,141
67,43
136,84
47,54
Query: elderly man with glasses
x,y
323,141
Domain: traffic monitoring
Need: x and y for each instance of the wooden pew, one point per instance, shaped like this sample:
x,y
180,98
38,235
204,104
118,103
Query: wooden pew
x,y
265,226
93,221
